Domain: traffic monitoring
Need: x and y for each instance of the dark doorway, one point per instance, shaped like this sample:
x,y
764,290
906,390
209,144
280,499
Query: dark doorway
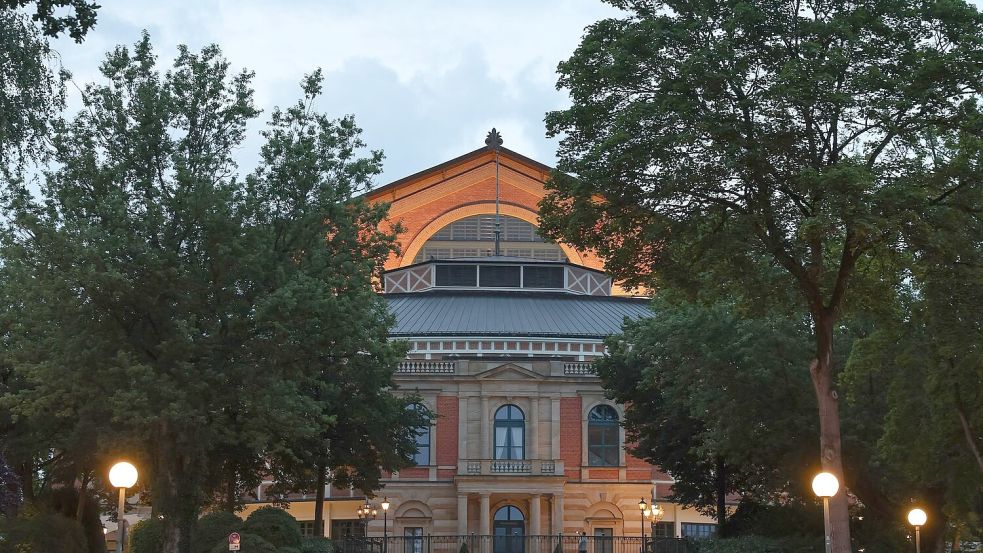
x,y
509,530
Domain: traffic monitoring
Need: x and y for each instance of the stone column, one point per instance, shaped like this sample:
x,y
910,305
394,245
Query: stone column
x,y
555,419
462,514
534,430
486,437
535,516
484,524
557,513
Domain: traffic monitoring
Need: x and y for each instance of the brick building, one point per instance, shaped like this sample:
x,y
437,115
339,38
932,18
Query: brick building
x,y
524,442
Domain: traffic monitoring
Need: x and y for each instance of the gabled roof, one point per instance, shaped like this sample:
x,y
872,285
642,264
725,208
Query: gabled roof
x,y
496,313
504,153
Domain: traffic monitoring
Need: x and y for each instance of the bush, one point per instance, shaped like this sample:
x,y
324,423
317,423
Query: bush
x,y
759,544
288,550
146,536
251,543
316,545
39,530
275,526
214,528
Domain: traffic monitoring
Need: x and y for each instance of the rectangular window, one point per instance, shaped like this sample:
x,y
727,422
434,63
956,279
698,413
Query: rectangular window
x,y
603,540
542,277
698,531
664,529
457,275
306,528
498,276
346,528
413,540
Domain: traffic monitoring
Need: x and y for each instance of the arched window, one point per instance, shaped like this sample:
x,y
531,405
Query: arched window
x,y
603,437
422,455
475,237
510,433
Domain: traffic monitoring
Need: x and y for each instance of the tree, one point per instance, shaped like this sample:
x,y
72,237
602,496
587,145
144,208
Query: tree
x,y
716,141
200,309
717,400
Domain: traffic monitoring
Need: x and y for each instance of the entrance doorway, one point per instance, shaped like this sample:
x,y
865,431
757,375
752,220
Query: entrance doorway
x,y
509,530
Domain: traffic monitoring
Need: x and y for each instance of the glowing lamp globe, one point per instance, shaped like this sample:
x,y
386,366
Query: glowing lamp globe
x,y
917,517
123,475
825,484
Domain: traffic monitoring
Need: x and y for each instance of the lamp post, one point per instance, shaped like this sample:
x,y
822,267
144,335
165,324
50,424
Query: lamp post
x,y
123,475
917,518
644,508
385,524
655,516
365,512
825,485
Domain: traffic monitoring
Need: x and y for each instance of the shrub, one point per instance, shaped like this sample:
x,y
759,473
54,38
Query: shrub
x,y
213,528
37,529
275,526
759,544
251,543
288,550
146,536
316,545
464,547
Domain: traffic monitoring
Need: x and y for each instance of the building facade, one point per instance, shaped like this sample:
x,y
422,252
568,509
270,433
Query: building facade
x,y
501,349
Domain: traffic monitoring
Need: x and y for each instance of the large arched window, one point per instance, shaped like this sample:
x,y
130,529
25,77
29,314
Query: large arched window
x,y
475,237
422,455
603,437
510,433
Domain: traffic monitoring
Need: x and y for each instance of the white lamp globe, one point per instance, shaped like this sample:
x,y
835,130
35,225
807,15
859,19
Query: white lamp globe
x,y
825,484
123,475
917,517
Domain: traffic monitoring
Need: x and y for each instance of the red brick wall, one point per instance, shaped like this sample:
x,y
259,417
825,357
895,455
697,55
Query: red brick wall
x,y
570,437
447,417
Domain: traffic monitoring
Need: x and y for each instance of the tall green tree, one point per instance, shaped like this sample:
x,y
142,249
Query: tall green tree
x,y
207,321
706,137
718,400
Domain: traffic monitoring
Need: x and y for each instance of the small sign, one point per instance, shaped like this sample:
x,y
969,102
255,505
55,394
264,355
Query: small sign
x,y
234,541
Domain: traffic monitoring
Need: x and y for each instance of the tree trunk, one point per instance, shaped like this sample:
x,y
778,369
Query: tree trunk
x,y
319,500
721,484
829,428
80,504
967,429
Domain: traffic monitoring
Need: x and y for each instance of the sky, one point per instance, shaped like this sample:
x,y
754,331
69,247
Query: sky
x,y
425,79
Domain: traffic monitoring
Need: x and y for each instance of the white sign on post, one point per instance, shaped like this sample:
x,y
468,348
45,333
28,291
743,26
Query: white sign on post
x,y
234,541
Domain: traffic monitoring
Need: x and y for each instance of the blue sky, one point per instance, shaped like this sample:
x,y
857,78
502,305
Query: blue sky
x,y
425,79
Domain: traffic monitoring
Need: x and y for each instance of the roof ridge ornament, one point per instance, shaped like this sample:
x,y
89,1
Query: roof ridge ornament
x,y
493,142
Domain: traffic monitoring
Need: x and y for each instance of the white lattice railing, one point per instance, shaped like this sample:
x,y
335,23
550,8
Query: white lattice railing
x,y
491,467
426,367
579,369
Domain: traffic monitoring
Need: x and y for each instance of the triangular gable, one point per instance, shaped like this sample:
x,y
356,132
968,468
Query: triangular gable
x,y
508,371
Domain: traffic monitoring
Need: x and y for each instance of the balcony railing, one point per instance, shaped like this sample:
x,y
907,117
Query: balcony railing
x,y
515,543
491,467
579,369
426,367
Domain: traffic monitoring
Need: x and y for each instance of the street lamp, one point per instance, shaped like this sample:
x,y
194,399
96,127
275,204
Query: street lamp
x,y
917,518
655,516
825,485
385,523
123,475
644,508
365,512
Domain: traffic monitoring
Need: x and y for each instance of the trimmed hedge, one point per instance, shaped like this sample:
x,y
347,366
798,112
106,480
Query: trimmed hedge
x,y
316,545
213,528
251,543
759,544
275,526
39,530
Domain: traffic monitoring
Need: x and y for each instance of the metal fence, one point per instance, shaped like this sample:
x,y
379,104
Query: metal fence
x,y
515,543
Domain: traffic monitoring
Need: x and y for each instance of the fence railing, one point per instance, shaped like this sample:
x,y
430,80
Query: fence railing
x,y
512,543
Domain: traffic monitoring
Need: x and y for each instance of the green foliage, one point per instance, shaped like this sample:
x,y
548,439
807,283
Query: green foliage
x,y
719,401
250,543
316,545
288,550
57,16
37,530
213,528
146,536
758,544
275,526
463,548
